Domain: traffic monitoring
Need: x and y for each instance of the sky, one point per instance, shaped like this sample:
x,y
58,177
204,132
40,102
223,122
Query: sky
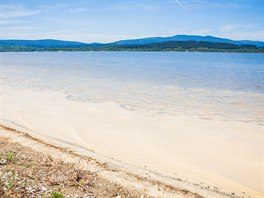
x,y
111,20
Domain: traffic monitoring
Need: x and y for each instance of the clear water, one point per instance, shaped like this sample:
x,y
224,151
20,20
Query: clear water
x,y
228,86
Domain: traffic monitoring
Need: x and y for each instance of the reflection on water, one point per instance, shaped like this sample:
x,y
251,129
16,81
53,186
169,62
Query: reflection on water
x,y
208,85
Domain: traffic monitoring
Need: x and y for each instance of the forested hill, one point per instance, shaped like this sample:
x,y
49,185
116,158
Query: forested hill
x,y
175,43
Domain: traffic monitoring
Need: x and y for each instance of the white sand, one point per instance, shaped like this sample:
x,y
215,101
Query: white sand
x,y
219,153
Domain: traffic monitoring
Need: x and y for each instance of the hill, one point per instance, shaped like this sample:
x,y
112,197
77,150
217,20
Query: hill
x,y
173,43
212,39
42,43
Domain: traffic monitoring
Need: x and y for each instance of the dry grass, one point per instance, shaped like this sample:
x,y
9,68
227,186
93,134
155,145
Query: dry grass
x,y
26,173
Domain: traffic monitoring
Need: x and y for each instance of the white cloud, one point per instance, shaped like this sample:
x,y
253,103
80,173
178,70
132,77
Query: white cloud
x,y
210,3
203,32
255,35
17,28
16,11
241,32
149,7
229,27
12,22
178,2
235,27
77,10
29,33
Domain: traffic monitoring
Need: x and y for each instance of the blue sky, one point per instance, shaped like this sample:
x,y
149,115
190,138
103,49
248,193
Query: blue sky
x,y
110,20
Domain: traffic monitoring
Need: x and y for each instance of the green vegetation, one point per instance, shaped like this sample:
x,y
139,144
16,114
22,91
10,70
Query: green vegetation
x,y
56,195
200,46
9,156
180,46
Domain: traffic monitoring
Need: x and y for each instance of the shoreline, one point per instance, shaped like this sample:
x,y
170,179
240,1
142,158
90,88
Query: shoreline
x,y
133,183
70,158
139,185
172,51
44,114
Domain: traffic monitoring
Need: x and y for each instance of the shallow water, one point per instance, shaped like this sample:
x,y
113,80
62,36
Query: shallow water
x,y
226,86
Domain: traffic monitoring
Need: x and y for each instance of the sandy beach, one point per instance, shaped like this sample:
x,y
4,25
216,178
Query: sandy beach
x,y
225,155
30,167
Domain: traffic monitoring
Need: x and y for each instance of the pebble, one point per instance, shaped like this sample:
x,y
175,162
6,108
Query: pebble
x,y
43,189
3,161
89,196
29,189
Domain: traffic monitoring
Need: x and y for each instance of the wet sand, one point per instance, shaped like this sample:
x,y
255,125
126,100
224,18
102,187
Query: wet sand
x,y
224,154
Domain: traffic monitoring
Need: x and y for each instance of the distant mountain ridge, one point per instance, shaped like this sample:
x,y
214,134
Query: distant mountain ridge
x,y
212,39
172,43
149,40
43,43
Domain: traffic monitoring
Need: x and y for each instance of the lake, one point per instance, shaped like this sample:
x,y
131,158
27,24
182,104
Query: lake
x,y
226,86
